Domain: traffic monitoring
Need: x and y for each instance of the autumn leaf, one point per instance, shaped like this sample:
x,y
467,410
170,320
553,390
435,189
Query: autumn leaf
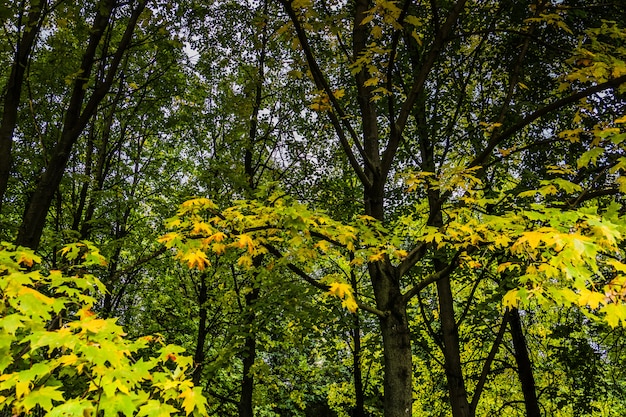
x,y
511,299
590,298
245,241
193,400
196,258
245,261
344,292
376,257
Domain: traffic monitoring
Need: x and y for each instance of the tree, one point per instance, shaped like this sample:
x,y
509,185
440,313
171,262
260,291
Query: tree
x,y
418,105
449,172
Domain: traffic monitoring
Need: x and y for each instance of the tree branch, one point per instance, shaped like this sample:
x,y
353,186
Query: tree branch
x,y
338,120
480,385
441,38
317,284
556,105
432,278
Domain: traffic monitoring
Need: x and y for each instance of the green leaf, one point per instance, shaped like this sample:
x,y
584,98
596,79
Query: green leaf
x,y
42,397
589,157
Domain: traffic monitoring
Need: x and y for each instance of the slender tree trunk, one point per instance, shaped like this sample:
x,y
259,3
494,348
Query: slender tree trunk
x,y
13,88
398,389
451,351
524,366
201,335
76,118
359,395
457,392
246,405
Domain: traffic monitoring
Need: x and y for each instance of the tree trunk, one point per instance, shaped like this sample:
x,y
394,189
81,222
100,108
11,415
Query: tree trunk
x,y
524,366
198,357
451,351
76,118
246,408
398,388
359,395
13,89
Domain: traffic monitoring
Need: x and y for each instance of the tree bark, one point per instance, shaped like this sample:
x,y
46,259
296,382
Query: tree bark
x,y
246,405
13,89
524,366
398,388
451,351
198,357
359,395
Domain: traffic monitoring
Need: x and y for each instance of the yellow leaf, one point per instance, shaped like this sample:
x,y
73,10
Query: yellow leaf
x,y
27,258
377,257
532,239
245,241
621,120
218,248
192,399
201,228
22,388
371,82
510,299
350,304
343,291
339,289
245,261
377,32
167,238
401,253
323,245
590,298
196,258
339,93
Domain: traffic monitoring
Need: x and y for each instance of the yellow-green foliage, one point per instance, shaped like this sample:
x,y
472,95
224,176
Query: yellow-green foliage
x,y
57,355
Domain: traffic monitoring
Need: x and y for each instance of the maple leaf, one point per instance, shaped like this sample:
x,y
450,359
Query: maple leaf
x,y
614,313
510,299
169,239
375,257
218,248
200,228
193,399
245,241
343,291
27,258
245,261
590,298
42,397
339,289
196,258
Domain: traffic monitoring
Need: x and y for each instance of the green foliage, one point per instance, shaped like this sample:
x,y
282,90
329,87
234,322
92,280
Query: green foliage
x,y
60,357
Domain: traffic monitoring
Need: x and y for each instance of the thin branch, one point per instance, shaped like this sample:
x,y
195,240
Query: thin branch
x,y
338,117
556,105
411,259
480,385
441,38
317,284
432,278
395,136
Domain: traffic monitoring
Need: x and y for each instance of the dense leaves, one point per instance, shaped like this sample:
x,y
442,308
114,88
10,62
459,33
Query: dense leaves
x,y
60,357
340,208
